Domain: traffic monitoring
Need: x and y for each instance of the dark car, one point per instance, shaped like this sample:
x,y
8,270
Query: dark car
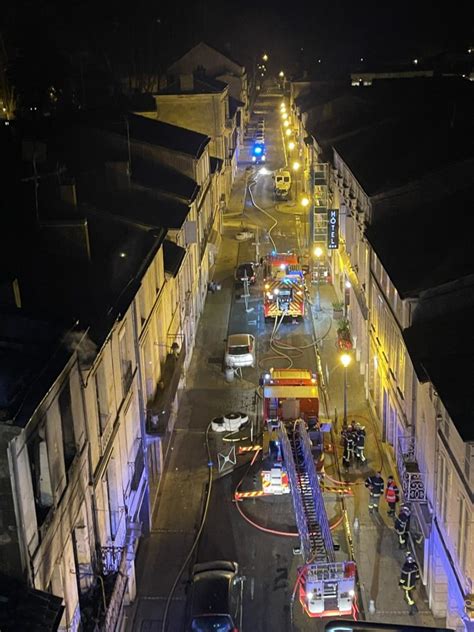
x,y
215,603
245,269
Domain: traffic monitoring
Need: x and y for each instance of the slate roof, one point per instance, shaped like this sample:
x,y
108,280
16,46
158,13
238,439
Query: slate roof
x,y
162,134
442,352
163,178
216,164
422,242
173,257
202,84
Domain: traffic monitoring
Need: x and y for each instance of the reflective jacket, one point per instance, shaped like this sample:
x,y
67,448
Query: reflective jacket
x,y
410,573
391,493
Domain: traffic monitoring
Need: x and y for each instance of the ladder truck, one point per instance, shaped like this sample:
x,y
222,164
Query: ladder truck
x,y
284,286
290,404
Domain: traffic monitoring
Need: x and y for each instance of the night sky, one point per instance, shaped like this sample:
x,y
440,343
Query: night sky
x,y
58,43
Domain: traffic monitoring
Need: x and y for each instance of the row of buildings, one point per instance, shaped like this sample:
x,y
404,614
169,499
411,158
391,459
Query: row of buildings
x,y
110,227
391,162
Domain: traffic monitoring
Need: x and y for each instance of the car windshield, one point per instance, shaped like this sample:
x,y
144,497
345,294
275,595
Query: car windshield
x,y
239,350
245,269
212,623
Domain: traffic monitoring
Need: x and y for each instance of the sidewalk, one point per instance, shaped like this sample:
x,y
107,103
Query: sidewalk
x,y
378,557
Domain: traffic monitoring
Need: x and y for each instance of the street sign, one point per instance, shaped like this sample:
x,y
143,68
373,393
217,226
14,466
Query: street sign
x,y
333,228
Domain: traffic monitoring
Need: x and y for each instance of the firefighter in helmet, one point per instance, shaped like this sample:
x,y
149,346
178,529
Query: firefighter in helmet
x,y
402,525
408,578
360,443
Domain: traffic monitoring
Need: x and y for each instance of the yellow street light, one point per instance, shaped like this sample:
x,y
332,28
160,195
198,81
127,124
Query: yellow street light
x,y
291,145
304,202
288,131
345,361
281,74
296,165
284,116
318,251
286,123
282,104
265,57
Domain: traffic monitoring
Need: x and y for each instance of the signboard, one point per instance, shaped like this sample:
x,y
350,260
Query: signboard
x,y
333,228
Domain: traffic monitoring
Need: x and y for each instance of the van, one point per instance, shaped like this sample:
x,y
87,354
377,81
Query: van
x,y
282,184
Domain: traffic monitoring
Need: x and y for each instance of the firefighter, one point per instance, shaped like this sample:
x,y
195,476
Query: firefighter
x,y
348,453
360,443
392,495
402,525
408,578
375,484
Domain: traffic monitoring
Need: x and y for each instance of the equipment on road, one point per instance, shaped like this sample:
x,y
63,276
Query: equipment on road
x,y
284,286
282,184
291,404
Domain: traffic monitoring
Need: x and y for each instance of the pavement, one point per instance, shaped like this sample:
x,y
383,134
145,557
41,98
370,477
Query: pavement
x,y
267,560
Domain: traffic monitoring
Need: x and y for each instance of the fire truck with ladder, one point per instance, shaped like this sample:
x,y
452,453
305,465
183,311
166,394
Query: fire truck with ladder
x,y
284,286
291,406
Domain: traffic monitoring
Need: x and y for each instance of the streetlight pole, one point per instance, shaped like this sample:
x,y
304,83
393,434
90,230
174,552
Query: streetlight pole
x,y
345,361
318,251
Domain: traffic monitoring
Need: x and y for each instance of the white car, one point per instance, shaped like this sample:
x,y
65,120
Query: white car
x,y
240,351
244,235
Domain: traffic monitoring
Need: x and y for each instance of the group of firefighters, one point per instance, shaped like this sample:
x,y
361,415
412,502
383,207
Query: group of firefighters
x,y
353,443
410,572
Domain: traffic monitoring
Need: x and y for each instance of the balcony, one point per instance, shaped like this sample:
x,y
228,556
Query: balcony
x,y
136,468
159,410
127,376
413,481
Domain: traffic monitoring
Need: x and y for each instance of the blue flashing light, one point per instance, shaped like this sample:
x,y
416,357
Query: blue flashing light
x,y
258,150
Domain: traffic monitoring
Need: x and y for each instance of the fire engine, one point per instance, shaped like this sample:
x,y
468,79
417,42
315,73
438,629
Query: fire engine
x,y
284,287
291,404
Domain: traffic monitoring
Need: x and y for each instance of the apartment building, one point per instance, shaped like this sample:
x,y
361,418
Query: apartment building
x,y
217,65
401,290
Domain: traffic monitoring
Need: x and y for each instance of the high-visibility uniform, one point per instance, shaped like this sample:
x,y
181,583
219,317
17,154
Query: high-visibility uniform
x,y
360,444
348,449
408,578
391,496
402,527
375,485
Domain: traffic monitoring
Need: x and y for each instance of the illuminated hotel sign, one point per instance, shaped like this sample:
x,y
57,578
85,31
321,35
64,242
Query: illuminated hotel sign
x,y
333,228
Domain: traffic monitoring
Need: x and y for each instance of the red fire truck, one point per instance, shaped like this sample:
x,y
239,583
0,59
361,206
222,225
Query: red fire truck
x,y
290,394
284,287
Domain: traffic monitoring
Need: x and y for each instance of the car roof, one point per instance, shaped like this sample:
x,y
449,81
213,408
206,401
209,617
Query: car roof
x,y
237,340
246,264
211,592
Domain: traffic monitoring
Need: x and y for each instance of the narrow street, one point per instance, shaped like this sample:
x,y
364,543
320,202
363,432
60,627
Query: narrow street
x,y
267,561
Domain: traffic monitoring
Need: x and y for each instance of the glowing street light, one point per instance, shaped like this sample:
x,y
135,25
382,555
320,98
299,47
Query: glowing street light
x,y
288,131
291,145
265,57
286,123
345,359
304,202
295,166
281,74
284,115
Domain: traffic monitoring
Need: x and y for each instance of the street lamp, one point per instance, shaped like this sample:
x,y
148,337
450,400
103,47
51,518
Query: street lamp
x,y
265,57
295,167
345,361
291,145
281,74
284,115
288,130
286,123
318,252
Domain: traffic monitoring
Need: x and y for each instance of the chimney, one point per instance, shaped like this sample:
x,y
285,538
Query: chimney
x,y
10,293
186,82
118,175
69,237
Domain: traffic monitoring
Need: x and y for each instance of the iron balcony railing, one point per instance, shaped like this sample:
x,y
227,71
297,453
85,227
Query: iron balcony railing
x,y
413,481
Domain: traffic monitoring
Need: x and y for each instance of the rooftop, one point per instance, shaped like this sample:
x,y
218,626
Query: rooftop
x,y
414,238
442,351
173,257
165,179
201,84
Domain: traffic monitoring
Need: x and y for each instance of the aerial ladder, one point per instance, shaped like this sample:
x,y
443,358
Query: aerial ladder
x,y
326,586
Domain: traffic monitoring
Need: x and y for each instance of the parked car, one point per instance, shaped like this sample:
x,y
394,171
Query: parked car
x,y
240,350
245,269
215,603
244,235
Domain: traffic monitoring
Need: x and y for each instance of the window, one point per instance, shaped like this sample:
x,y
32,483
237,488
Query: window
x,y
125,361
67,425
463,533
444,479
40,475
100,383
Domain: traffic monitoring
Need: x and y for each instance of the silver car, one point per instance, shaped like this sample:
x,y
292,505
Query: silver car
x,y
240,350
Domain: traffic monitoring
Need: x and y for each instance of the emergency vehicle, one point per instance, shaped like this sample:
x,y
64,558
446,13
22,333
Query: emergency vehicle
x,y
326,586
284,287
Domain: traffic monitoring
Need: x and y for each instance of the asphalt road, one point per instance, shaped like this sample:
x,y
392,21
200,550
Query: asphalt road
x,y
267,561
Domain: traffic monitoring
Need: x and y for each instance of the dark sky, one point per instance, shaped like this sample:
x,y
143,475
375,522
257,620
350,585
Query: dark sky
x,y
53,33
